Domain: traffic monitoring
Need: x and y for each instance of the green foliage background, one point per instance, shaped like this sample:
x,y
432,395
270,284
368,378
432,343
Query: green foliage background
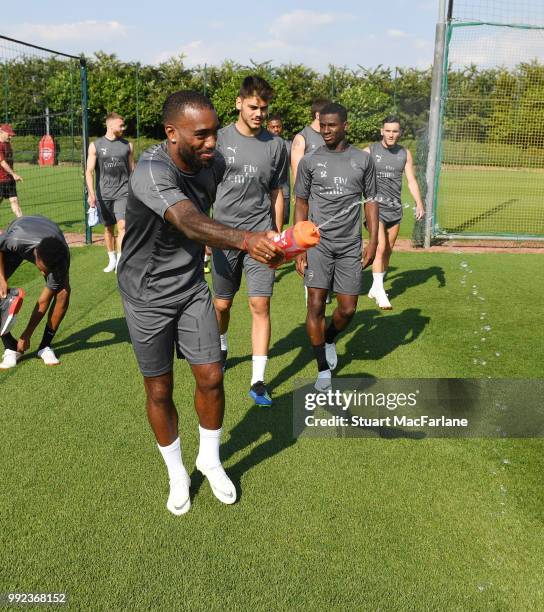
x,y
479,107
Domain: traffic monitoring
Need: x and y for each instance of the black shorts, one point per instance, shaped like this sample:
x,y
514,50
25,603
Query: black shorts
x,y
112,211
189,326
8,190
227,268
335,268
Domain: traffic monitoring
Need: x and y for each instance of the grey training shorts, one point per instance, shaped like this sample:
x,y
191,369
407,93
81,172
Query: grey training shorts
x,y
390,214
335,268
112,211
227,266
188,325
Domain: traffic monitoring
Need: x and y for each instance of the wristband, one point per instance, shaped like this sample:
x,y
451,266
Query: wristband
x,y
244,241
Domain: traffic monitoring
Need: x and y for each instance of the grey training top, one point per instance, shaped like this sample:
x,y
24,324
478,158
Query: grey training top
x,y
159,263
312,139
331,181
255,165
390,163
286,188
24,234
112,168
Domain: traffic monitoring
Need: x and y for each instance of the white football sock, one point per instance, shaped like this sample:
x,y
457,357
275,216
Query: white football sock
x,y
377,280
259,366
324,374
224,343
172,458
208,451
111,256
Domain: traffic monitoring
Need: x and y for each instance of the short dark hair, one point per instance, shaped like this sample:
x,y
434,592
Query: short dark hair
x,y
274,117
179,101
391,119
256,86
114,116
52,252
333,108
318,104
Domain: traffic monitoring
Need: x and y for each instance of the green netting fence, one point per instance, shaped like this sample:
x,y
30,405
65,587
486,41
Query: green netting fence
x,y
43,97
489,181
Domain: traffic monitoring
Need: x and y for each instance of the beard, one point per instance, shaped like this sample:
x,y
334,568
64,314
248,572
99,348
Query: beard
x,y
189,157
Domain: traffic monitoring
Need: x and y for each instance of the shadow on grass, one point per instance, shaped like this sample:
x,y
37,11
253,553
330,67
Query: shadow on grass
x,y
401,280
405,279
274,424
82,340
375,336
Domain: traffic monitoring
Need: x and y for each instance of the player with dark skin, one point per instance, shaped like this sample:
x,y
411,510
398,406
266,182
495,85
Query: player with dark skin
x,y
333,131
191,140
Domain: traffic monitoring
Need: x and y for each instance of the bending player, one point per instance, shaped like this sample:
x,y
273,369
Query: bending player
x,y
250,198
334,177
111,158
391,160
166,300
40,241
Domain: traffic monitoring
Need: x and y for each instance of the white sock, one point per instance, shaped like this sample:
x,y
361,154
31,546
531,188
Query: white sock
x,y
377,280
259,366
172,458
224,343
111,256
118,255
324,374
208,451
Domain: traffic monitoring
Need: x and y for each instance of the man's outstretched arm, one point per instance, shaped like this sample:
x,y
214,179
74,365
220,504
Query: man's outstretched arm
x,y
197,226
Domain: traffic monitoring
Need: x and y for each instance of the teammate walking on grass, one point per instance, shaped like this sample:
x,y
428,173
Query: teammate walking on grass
x,y
166,300
275,127
309,138
329,181
8,177
111,159
40,241
249,198
391,160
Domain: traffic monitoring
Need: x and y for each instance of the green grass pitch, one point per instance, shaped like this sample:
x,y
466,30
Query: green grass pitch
x,y
498,200
321,524
53,191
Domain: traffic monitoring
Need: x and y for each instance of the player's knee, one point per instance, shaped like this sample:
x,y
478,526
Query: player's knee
x,y
159,394
316,306
347,311
212,379
383,249
63,296
222,306
259,307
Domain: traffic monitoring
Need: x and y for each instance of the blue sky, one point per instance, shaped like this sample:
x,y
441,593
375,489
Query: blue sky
x,y
317,33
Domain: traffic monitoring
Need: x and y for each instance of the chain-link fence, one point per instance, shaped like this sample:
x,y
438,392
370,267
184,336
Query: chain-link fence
x,y
490,176
43,98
